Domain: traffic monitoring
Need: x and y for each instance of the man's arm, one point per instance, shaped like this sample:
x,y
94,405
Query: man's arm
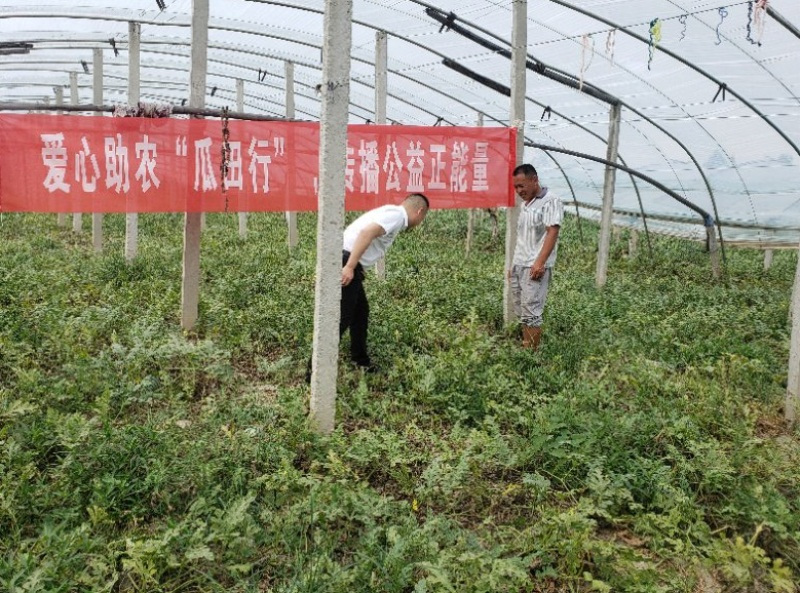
x,y
550,238
365,237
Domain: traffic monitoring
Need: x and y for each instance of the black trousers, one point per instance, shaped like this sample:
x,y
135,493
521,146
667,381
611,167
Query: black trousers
x,y
355,314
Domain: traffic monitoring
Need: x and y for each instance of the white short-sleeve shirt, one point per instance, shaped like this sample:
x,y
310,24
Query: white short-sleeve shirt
x,y
392,219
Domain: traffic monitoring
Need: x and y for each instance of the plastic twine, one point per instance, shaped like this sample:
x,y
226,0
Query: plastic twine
x,y
682,21
611,41
587,48
723,13
655,39
760,19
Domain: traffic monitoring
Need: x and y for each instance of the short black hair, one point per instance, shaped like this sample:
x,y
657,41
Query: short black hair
x,y
419,198
527,170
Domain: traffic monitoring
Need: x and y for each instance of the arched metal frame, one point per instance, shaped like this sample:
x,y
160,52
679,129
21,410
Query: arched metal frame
x,y
149,17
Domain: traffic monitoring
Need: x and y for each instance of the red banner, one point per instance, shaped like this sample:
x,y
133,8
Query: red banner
x,y
61,163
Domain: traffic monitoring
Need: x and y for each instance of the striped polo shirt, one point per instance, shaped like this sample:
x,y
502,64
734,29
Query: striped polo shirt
x,y
545,210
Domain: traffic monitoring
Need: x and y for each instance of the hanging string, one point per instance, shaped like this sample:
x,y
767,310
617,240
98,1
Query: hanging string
x,y
682,21
723,13
611,41
655,39
749,35
587,48
760,19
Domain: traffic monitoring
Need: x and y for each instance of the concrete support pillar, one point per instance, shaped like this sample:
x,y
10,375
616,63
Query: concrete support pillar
x,y
606,218
240,109
519,56
471,211
77,217
793,383
335,89
190,286
134,57
61,218
381,79
633,244
768,256
713,249
291,217
97,99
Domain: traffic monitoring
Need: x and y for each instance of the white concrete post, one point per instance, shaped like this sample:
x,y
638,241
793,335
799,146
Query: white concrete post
x,y
381,82
633,244
606,218
471,211
291,217
97,99
768,256
240,109
61,217
77,218
793,383
190,286
134,71
335,89
519,56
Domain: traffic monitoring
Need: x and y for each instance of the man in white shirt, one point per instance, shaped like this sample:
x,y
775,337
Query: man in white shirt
x,y
540,220
365,241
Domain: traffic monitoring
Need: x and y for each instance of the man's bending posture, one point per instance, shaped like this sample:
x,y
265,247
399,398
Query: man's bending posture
x,y
365,241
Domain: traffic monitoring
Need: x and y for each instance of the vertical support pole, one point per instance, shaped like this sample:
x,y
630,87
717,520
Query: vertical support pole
x,y
768,256
291,217
77,217
190,285
240,109
471,211
793,384
519,55
713,248
381,80
633,244
97,99
61,218
337,35
134,56
601,272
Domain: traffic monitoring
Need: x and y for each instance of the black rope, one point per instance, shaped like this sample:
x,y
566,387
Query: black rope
x,y
548,112
722,88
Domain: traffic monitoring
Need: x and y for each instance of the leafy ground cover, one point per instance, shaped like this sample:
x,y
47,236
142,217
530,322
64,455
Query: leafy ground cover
x,y
642,450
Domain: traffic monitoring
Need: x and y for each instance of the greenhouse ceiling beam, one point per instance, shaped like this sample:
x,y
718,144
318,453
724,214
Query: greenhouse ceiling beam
x,y
209,86
221,25
708,220
449,20
179,89
685,62
176,109
507,92
423,47
145,42
779,18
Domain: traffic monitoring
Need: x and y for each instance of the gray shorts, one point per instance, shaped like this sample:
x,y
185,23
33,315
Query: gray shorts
x,y
529,295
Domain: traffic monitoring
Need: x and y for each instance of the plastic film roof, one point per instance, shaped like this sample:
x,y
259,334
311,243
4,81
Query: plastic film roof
x,y
709,90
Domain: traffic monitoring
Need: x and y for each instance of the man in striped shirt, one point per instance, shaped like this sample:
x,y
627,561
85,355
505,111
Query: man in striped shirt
x,y
535,252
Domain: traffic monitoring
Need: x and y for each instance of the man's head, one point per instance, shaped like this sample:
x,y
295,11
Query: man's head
x,y
526,182
416,206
